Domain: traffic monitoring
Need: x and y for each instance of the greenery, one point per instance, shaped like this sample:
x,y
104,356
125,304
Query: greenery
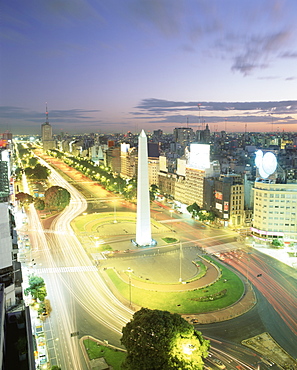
x,y
39,204
153,192
185,302
38,172
55,367
36,288
200,214
194,209
101,174
169,240
277,243
112,357
56,197
24,198
158,340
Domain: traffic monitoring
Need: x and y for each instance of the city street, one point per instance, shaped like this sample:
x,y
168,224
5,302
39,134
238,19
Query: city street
x,y
83,305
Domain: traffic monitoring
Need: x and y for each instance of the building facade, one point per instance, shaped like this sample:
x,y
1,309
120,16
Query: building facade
x,y
275,210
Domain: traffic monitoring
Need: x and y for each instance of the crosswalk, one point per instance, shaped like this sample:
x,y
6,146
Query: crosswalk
x,y
55,270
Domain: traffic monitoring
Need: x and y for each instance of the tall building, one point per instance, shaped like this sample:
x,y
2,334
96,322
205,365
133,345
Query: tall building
x,y
203,136
275,211
183,135
47,134
143,224
229,200
128,161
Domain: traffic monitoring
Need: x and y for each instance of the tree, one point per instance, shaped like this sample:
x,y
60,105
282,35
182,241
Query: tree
x,y
24,198
159,340
57,197
33,161
277,243
36,288
39,172
194,209
153,191
39,204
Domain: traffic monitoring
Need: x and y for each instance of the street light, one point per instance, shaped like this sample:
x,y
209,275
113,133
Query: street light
x,y
180,265
114,212
129,270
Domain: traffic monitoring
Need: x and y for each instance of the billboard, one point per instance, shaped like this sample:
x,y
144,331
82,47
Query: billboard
x,y
199,156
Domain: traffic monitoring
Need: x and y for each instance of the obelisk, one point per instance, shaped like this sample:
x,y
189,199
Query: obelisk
x,y
143,222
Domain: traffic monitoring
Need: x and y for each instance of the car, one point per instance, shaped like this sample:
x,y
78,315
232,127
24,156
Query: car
x,y
218,363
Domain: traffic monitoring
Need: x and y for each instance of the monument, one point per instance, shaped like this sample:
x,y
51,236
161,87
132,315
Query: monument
x,y
143,222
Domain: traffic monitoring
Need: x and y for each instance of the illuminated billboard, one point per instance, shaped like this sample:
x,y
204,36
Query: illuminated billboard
x,y
199,156
266,163
125,147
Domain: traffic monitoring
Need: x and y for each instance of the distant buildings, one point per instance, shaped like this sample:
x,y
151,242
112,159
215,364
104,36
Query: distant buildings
x,y
47,135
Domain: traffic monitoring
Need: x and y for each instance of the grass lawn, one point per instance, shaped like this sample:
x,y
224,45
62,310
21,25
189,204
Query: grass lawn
x,y
184,302
112,357
169,240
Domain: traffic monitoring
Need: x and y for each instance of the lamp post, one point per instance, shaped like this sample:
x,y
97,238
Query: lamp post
x,y
114,212
130,288
180,264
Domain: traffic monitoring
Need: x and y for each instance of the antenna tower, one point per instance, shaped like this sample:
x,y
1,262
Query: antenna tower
x,y
46,114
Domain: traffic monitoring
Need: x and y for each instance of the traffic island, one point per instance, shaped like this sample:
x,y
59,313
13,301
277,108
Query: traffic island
x,y
271,351
225,295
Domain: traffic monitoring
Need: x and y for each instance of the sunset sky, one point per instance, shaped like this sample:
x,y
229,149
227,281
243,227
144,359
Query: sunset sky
x,y
119,65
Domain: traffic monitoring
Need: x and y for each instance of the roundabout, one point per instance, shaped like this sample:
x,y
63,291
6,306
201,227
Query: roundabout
x,y
167,277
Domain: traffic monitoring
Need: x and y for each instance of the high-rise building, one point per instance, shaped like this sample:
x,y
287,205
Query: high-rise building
x,y
275,211
229,200
47,134
183,135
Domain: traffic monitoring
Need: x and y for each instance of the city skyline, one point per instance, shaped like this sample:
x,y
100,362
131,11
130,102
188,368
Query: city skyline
x,y
146,64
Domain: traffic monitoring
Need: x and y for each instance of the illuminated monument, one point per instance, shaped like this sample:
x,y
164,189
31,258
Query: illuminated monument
x,y
143,223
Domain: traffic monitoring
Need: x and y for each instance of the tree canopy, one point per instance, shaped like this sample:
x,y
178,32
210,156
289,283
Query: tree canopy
x,y
194,209
39,172
159,340
24,198
36,288
56,197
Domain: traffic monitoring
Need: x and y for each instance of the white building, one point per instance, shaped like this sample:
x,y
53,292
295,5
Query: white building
x,y
275,210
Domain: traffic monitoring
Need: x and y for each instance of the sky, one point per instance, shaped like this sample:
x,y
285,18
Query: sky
x,y
116,66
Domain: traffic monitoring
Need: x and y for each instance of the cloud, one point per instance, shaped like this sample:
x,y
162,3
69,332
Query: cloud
x,y
289,54
160,111
159,105
256,51
24,120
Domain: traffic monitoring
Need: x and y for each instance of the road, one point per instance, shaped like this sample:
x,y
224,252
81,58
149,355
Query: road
x,y
72,280
81,302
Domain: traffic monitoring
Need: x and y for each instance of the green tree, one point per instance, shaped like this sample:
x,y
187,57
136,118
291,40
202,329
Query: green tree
x,y
24,198
33,161
153,191
36,288
194,209
39,204
159,340
56,197
39,172
55,367
206,216
277,243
